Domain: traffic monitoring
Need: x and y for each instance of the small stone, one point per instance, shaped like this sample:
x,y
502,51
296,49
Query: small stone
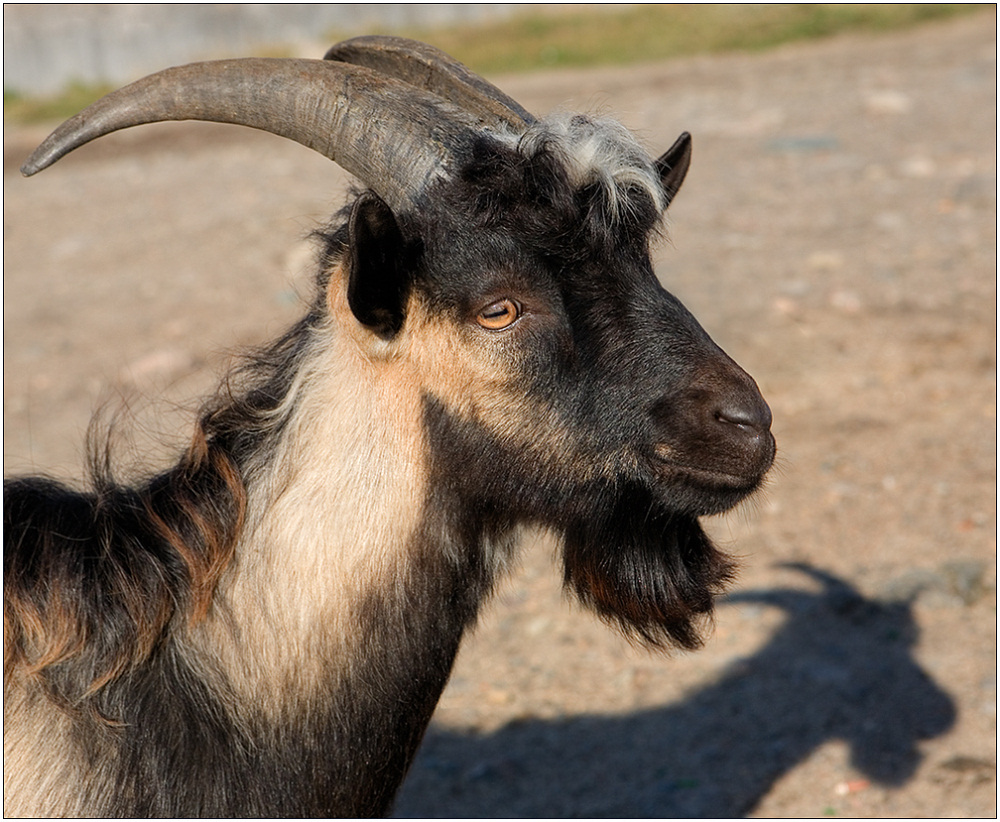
x,y
785,306
495,696
908,586
964,579
165,362
888,102
825,260
851,786
918,167
847,301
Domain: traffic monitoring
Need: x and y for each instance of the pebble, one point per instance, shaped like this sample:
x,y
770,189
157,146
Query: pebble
x,y
806,144
888,101
825,260
847,301
964,579
159,363
957,582
851,786
918,167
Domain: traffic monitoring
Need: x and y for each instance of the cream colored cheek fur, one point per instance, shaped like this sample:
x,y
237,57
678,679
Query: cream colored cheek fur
x,y
342,502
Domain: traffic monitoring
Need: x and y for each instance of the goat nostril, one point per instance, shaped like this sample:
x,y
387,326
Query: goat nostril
x,y
756,416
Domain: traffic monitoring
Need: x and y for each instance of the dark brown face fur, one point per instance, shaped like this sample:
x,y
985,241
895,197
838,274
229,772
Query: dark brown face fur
x,y
598,407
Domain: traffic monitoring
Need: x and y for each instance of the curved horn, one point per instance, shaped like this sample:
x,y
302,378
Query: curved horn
x,y
431,69
397,139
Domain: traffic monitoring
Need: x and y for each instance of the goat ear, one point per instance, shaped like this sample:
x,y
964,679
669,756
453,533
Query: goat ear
x,y
378,282
673,165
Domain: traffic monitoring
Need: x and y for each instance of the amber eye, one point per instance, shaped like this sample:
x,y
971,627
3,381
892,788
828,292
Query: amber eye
x,y
499,315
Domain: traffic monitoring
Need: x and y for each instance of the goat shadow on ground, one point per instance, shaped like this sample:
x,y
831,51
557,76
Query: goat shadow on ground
x,y
840,667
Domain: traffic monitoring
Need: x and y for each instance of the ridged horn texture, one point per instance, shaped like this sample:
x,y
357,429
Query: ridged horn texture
x,y
393,136
431,69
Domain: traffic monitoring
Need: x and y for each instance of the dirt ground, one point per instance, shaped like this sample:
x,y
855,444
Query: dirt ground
x,y
836,235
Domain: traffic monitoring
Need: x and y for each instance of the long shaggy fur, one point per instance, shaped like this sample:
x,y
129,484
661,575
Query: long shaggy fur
x,y
94,581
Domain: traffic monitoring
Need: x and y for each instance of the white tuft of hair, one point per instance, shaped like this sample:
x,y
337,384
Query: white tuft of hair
x,y
598,151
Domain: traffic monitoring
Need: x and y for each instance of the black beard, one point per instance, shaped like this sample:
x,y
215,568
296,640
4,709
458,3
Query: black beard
x,y
651,572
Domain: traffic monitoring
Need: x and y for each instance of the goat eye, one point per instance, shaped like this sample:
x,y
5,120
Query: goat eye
x,y
499,315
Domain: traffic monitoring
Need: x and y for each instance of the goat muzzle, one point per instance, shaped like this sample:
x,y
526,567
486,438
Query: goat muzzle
x,y
715,435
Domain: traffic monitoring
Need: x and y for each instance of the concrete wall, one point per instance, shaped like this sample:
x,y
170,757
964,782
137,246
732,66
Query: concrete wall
x,y
47,46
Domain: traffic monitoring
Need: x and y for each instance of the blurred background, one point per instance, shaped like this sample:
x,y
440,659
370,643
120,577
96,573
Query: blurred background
x,y
836,235
47,46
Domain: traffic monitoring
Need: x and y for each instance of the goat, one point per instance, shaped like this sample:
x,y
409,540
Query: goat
x,y
265,628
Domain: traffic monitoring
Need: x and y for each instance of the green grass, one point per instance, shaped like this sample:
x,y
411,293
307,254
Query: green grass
x,y
19,108
664,31
607,37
